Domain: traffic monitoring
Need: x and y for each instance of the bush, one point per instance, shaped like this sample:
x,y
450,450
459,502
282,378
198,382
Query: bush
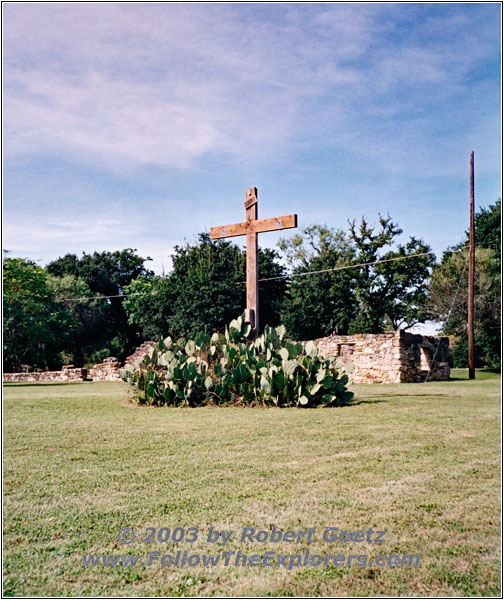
x,y
485,353
232,369
96,357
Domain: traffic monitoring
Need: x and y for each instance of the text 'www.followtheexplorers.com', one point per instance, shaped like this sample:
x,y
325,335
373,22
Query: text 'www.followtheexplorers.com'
x,y
237,558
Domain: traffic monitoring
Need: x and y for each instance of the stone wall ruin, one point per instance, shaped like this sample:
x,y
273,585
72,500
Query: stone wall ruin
x,y
391,357
108,370
70,374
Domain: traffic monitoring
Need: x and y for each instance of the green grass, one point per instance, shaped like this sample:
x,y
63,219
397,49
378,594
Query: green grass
x,y
421,461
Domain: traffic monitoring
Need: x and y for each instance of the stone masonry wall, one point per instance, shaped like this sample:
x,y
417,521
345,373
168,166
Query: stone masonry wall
x,y
108,370
63,375
391,357
139,353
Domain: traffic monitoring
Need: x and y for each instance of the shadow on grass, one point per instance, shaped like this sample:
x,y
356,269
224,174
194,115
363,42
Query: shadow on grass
x,y
388,397
357,402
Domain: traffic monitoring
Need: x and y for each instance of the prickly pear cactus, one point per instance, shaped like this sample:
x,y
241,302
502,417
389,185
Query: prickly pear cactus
x,y
230,368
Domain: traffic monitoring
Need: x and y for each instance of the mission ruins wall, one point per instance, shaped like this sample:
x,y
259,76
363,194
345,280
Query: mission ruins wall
x,y
392,357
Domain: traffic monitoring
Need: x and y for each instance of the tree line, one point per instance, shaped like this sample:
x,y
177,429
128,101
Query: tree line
x,y
79,310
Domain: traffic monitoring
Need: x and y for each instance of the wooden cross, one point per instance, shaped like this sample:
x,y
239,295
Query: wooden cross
x,y
251,227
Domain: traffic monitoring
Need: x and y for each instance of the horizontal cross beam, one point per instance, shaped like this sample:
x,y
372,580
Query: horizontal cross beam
x,y
256,226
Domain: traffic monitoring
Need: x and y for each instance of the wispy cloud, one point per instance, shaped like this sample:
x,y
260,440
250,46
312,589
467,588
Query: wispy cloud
x,y
42,241
110,120
168,84
118,113
82,230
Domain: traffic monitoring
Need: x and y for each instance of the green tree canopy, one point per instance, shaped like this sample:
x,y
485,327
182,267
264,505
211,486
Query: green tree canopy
x,y
391,286
487,229
448,291
36,326
319,304
149,304
89,316
107,274
204,291
357,293
104,272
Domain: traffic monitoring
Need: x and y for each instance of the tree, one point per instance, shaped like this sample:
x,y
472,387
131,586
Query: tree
x,y
208,286
149,304
89,316
448,291
391,287
107,274
204,291
36,326
319,304
104,272
364,294
487,229
271,291
205,287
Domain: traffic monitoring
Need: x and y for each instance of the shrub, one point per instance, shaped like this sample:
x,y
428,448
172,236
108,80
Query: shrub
x,y
96,357
232,369
486,352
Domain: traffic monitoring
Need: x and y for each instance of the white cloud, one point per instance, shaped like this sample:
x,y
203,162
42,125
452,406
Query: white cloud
x,y
35,236
41,239
165,87
112,120
125,84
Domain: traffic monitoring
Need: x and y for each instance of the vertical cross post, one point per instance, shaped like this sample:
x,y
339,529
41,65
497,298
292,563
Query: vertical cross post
x,y
251,313
250,228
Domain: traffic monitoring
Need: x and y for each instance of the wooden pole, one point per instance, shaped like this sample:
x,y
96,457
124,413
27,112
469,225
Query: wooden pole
x,y
252,314
251,228
470,287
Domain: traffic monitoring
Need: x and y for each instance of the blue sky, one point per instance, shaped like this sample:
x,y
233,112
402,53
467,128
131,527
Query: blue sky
x,y
141,125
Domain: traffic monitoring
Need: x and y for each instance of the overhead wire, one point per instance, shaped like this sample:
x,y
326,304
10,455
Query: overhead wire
x,y
303,274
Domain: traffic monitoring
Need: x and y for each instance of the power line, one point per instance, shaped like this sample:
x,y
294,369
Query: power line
x,y
305,273
345,267
108,297
367,264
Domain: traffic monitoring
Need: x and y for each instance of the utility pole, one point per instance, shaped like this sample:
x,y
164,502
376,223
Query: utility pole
x,y
470,286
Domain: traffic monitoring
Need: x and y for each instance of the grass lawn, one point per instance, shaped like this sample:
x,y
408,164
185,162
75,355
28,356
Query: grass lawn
x,y
419,461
